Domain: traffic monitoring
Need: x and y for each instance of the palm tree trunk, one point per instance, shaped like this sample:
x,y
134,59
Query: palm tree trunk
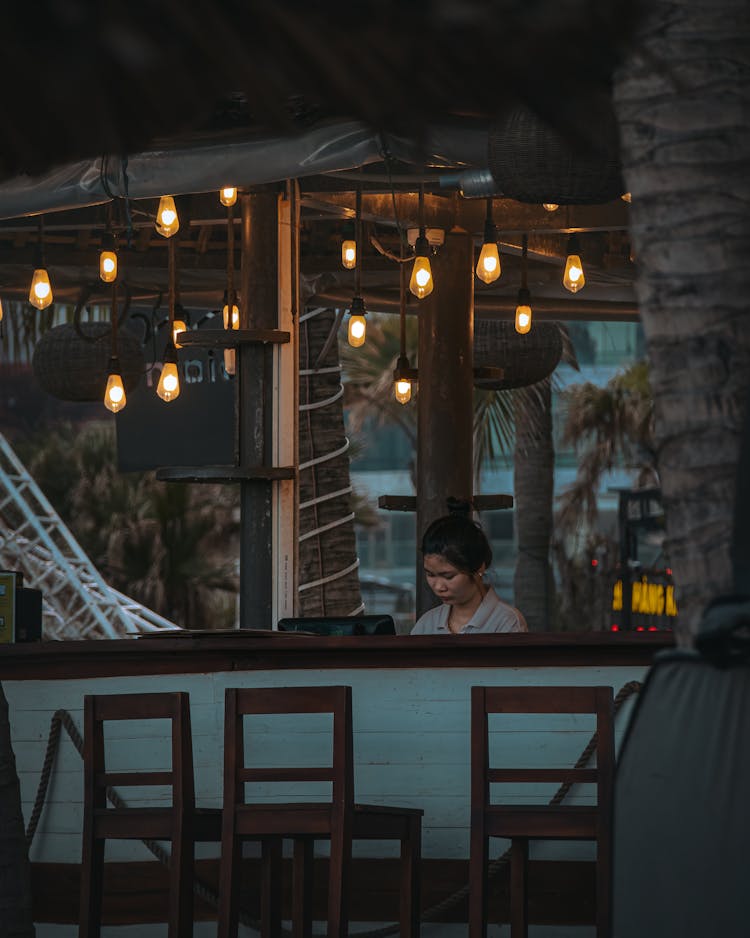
x,y
327,558
15,876
533,473
682,101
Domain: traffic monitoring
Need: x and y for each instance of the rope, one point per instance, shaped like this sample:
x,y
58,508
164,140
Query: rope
x,y
61,718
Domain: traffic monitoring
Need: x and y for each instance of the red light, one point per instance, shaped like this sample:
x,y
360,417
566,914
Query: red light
x,y
653,628
640,629
594,562
668,571
615,627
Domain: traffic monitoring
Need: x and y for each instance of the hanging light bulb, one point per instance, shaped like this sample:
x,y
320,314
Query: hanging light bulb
x,y
228,195
573,276
550,206
403,375
114,393
626,197
168,387
167,222
488,265
40,292
108,258
421,282
231,317
349,254
523,312
178,325
357,323
1,310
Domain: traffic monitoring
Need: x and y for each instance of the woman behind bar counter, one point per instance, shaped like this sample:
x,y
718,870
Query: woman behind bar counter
x,y
456,554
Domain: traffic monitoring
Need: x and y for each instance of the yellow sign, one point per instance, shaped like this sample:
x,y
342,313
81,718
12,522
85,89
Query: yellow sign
x,y
649,599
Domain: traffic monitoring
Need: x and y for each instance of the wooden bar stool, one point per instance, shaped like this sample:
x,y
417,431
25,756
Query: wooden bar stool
x,y
524,822
182,823
337,819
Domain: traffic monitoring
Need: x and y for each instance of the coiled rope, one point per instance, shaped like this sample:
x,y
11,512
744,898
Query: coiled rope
x,y
61,718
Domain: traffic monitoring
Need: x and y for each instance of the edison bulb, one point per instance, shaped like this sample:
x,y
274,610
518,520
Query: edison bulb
x,y
108,266
169,382
357,331
1,310
626,197
421,282
40,293
402,390
573,277
488,265
550,206
167,222
114,393
234,321
523,319
230,361
349,254
228,195
178,326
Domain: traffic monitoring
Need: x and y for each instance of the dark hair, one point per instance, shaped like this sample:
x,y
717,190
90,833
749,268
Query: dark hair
x,y
460,540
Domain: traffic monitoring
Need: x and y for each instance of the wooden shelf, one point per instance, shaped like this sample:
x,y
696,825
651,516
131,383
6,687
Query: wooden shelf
x,y
225,473
231,338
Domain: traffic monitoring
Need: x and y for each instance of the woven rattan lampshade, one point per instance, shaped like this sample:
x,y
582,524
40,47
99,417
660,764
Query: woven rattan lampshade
x,y
533,162
525,359
74,368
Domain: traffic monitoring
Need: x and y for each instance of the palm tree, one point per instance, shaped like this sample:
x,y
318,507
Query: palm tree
x,y
681,99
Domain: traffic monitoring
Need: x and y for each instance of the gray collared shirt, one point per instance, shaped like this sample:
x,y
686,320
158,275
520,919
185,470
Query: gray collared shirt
x,y
493,615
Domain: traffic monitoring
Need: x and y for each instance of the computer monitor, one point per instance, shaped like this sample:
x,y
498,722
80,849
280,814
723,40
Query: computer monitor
x,y
340,625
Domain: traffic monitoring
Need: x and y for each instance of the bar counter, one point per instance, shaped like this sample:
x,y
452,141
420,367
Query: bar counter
x,y
411,746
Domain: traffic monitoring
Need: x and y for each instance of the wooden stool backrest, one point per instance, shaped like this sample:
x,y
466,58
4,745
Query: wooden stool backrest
x,y
99,709
241,702
531,700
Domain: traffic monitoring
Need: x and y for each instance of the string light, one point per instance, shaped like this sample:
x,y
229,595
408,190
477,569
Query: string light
x,y
230,310
114,392
179,324
349,254
167,221
108,258
550,206
168,387
228,195
626,197
523,308
421,283
40,291
403,374
357,332
573,276
488,265
357,323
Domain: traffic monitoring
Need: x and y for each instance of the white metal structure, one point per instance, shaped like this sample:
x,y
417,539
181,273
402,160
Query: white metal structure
x,y
77,602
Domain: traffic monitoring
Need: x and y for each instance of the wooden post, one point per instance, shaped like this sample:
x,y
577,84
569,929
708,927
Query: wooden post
x,y
446,383
258,310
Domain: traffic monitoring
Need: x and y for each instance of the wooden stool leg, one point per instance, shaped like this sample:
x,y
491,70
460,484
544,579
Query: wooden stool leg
x,y
478,868
411,856
604,888
270,911
519,898
338,881
181,886
92,879
229,880
302,888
